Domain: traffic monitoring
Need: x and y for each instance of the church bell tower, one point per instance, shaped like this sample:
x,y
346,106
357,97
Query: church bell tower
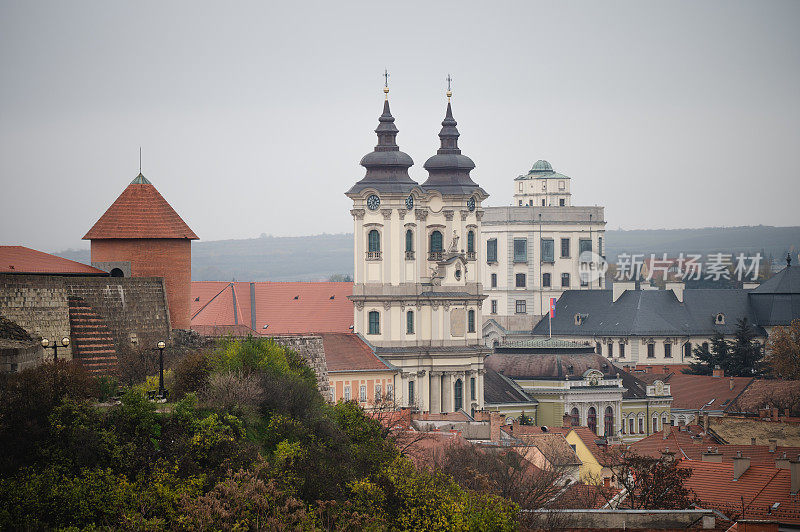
x,y
417,293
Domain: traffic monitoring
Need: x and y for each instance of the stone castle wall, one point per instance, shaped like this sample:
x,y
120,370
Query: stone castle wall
x,y
131,311
310,347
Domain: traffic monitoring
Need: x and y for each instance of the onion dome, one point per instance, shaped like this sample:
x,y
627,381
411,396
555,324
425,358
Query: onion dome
x,y
387,166
448,170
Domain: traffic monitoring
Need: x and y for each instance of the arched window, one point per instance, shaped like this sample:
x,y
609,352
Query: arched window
x,y
471,321
374,241
655,424
409,241
374,322
576,420
436,242
630,426
663,420
410,322
608,422
458,394
592,419
471,242
116,272
687,350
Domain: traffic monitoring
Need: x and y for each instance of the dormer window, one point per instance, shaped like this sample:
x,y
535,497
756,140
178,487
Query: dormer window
x,y
719,319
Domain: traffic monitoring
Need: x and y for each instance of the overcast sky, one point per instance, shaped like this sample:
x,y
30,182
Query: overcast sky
x,y
253,117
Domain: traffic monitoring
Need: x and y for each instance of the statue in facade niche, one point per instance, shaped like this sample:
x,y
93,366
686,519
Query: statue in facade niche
x,y
454,243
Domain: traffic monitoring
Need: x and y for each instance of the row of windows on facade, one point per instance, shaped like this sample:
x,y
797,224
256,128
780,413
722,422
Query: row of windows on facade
x,y
435,244
374,322
562,202
608,426
547,251
651,349
362,393
458,393
521,280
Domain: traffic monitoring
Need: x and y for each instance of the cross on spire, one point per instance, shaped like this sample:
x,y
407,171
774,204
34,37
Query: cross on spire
x,y
386,77
449,92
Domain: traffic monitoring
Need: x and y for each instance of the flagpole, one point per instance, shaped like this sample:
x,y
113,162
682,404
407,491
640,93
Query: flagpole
x,y
550,321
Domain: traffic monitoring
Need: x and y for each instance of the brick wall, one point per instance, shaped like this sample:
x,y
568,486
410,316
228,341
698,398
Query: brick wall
x,y
170,259
125,308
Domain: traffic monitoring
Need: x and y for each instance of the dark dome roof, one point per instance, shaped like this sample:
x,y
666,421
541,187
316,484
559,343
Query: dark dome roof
x,y
387,166
448,170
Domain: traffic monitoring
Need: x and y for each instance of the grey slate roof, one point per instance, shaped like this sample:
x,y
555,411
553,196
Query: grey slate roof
x,y
498,389
777,300
547,366
648,313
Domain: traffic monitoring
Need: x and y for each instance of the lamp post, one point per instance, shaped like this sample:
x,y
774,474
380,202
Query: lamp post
x,y
54,347
161,345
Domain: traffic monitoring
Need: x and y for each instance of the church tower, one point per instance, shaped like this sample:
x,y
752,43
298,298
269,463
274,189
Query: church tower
x,y
417,293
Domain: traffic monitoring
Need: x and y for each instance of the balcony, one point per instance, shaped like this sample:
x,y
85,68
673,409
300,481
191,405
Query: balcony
x,y
373,255
409,255
435,255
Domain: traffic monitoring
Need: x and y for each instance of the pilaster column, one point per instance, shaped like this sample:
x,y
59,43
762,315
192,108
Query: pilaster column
x,y
435,391
447,395
388,251
358,234
424,393
480,387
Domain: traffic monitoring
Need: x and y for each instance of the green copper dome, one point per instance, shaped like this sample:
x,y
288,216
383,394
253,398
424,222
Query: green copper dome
x,y
540,167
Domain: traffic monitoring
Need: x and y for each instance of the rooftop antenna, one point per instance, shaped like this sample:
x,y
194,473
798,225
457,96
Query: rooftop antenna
x,y
386,82
449,92
140,160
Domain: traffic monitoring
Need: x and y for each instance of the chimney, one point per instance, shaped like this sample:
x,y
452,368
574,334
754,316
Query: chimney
x,y
705,422
667,455
740,465
782,462
712,455
495,423
773,445
667,430
794,470
717,372
677,288
731,384
620,288
566,420
774,414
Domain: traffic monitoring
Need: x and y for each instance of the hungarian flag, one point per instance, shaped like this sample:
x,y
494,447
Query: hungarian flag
x,y
552,307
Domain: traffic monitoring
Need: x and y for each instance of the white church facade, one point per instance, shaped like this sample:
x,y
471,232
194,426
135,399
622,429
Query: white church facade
x,y
418,295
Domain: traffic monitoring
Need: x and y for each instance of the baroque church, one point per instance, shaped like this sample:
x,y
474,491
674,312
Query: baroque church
x,y
417,293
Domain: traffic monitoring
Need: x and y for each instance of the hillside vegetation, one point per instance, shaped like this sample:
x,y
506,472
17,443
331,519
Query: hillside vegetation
x,y
249,445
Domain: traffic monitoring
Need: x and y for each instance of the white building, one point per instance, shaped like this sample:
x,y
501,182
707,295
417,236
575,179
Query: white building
x,y
417,290
536,250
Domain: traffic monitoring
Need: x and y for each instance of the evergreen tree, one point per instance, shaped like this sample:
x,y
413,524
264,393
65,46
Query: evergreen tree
x,y
746,353
709,357
740,357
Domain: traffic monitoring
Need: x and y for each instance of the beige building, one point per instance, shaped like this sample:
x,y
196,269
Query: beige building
x,y
417,290
536,250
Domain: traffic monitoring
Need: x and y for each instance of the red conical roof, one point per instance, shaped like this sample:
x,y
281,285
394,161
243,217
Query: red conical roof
x,y
140,212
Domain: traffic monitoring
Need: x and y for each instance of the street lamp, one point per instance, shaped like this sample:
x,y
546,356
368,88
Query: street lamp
x,y
54,347
161,345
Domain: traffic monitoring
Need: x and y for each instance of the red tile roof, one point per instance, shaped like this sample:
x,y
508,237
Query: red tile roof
x,y
140,212
348,352
19,259
751,496
284,307
686,447
697,391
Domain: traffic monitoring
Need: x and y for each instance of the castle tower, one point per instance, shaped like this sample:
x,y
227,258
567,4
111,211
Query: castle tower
x,y
141,235
417,293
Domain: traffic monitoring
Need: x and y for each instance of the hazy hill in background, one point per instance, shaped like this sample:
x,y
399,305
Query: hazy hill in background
x,y
307,258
